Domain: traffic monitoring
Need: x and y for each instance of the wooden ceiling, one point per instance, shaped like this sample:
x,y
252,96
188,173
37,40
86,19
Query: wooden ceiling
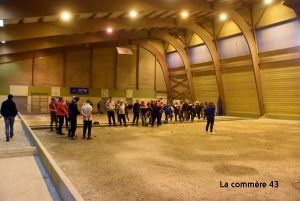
x,y
37,19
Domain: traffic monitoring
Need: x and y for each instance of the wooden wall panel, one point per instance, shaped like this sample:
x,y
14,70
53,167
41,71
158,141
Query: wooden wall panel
x,y
281,89
146,70
229,29
158,44
240,92
274,14
78,69
208,26
171,48
245,13
195,40
206,87
16,73
218,25
126,70
160,84
48,71
103,70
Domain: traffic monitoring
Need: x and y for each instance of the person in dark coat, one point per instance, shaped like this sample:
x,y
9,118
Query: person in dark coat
x,y
210,113
9,111
73,112
136,113
185,110
156,108
198,110
99,107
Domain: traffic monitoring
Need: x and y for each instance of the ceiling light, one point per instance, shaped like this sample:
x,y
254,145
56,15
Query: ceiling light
x,y
3,41
184,14
268,1
133,13
65,16
109,30
1,23
223,17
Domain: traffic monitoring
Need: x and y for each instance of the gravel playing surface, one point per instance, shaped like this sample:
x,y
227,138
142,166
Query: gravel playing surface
x,y
181,162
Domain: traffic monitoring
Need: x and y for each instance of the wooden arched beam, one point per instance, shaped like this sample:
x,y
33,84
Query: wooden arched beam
x,y
246,30
183,55
160,59
204,35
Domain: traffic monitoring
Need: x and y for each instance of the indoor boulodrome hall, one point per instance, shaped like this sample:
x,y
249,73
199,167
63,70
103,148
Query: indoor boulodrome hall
x,y
159,100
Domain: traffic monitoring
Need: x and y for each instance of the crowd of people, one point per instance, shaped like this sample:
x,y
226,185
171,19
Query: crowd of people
x,y
151,112
61,111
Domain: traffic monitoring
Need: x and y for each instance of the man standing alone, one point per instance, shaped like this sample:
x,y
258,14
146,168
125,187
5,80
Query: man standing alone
x,y
86,111
9,111
210,112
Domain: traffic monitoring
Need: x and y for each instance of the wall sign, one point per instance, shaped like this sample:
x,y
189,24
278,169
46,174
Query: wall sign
x,y
74,90
123,50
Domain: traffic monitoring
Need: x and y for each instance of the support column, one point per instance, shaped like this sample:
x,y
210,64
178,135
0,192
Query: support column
x,y
246,30
159,57
32,70
183,55
64,68
204,35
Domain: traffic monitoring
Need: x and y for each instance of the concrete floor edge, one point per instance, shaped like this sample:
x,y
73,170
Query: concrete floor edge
x,y
63,185
52,190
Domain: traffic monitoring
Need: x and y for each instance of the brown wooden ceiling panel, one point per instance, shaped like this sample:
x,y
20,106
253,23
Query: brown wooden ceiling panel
x,y
11,21
51,18
31,19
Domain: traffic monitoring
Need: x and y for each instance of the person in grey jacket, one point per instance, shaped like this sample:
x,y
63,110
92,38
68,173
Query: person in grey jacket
x,y
9,111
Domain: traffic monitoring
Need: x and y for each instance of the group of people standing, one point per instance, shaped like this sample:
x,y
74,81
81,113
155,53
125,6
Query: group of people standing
x,y
122,112
154,109
61,111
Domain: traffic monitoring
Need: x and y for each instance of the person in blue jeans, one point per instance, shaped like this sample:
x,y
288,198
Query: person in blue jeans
x,y
9,111
210,112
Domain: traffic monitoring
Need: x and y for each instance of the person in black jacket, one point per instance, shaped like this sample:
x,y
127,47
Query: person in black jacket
x,y
9,111
156,108
136,112
73,112
192,109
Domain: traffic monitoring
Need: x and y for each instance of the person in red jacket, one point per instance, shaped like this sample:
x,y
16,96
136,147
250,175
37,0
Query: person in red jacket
x,y
53,117
61,113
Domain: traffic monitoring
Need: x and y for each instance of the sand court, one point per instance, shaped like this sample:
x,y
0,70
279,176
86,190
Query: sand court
x,y
179,161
